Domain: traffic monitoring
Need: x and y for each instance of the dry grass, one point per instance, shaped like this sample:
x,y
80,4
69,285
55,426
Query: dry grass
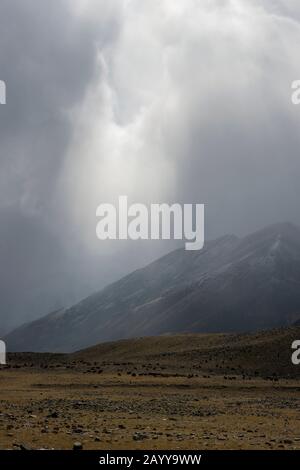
x,y
184,392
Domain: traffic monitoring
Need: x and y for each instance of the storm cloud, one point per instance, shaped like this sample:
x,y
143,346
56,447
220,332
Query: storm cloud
x,y
163,101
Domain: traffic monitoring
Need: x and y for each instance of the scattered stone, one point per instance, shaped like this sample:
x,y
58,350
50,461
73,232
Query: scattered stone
x,y
139,436
77,446
24,446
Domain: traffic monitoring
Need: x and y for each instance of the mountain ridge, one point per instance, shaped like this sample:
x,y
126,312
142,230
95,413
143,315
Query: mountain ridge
x,y
232,285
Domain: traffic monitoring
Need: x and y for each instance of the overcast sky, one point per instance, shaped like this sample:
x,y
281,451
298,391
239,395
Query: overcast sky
x,y
160,100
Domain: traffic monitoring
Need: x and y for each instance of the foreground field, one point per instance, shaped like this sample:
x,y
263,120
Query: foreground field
x,y
146,394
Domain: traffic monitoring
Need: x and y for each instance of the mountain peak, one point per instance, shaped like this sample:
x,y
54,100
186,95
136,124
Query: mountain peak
x,y
283,231
233,284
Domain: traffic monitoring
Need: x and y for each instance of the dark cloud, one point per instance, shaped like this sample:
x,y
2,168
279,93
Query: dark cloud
x,y
166,101
47,58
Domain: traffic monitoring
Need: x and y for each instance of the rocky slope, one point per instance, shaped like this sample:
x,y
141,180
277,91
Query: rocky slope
x,y
232,285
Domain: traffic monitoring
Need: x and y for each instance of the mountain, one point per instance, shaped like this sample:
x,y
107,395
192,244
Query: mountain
x,y
232,285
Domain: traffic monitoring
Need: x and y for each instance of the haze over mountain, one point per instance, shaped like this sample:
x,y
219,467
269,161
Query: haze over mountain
x,y
232,285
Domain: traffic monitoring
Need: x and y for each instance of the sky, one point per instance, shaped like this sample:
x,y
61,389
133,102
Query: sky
x,y
160,100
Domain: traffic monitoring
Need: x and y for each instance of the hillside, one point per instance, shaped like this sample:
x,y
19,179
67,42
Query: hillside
x,y
187,391
232,285
266,353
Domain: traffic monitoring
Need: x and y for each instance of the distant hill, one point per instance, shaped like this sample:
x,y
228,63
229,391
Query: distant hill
x,y
264,354
232,285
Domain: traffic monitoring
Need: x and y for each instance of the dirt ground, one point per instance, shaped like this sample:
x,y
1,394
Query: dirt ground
x,y
113,410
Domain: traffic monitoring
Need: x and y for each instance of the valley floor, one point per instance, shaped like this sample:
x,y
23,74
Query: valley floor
x,y
115,410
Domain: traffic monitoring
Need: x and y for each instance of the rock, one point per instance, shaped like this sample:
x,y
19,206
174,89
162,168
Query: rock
x,y
24,446
77,446
139,436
